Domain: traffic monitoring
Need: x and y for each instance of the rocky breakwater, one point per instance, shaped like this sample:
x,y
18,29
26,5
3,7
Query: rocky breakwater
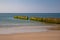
x,y
21,17
46,20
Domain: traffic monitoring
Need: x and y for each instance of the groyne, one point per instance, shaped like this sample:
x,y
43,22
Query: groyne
x,y
21,17
40,19
46,20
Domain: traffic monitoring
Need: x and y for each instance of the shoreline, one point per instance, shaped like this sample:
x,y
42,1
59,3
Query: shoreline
x,y
23,29
50,31
26,29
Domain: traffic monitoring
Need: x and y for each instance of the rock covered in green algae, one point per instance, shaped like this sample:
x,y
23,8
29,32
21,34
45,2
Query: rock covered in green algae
x,y
21,17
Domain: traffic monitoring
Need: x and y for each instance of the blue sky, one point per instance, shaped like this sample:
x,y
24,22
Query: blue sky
x,y
29,6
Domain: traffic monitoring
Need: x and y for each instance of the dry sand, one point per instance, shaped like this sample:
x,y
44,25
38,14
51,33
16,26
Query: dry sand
x,y
49,35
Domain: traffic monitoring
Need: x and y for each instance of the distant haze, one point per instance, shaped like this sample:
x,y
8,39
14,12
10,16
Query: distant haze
x,y
29,6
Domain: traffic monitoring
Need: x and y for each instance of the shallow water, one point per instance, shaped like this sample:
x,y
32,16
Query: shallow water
x,y
21,28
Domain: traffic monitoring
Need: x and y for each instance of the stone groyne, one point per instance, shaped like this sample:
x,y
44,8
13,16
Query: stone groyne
x,y
21,17
40,19
46,20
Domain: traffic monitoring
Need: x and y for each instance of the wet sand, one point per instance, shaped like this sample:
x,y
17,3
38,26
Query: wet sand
x,y
49,35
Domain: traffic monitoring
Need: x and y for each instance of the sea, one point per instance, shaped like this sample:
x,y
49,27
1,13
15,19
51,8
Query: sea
x,y
10,25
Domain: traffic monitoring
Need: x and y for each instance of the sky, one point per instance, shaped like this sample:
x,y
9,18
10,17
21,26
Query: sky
x,y
29,6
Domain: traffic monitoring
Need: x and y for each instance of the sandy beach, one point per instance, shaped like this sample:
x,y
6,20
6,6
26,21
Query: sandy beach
x,y
49,35
30,33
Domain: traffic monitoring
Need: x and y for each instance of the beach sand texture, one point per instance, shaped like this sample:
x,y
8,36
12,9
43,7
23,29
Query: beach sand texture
x,y
49,35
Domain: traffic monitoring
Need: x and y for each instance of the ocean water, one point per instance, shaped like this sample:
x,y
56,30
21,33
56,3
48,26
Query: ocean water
x,y
7,22
7,18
